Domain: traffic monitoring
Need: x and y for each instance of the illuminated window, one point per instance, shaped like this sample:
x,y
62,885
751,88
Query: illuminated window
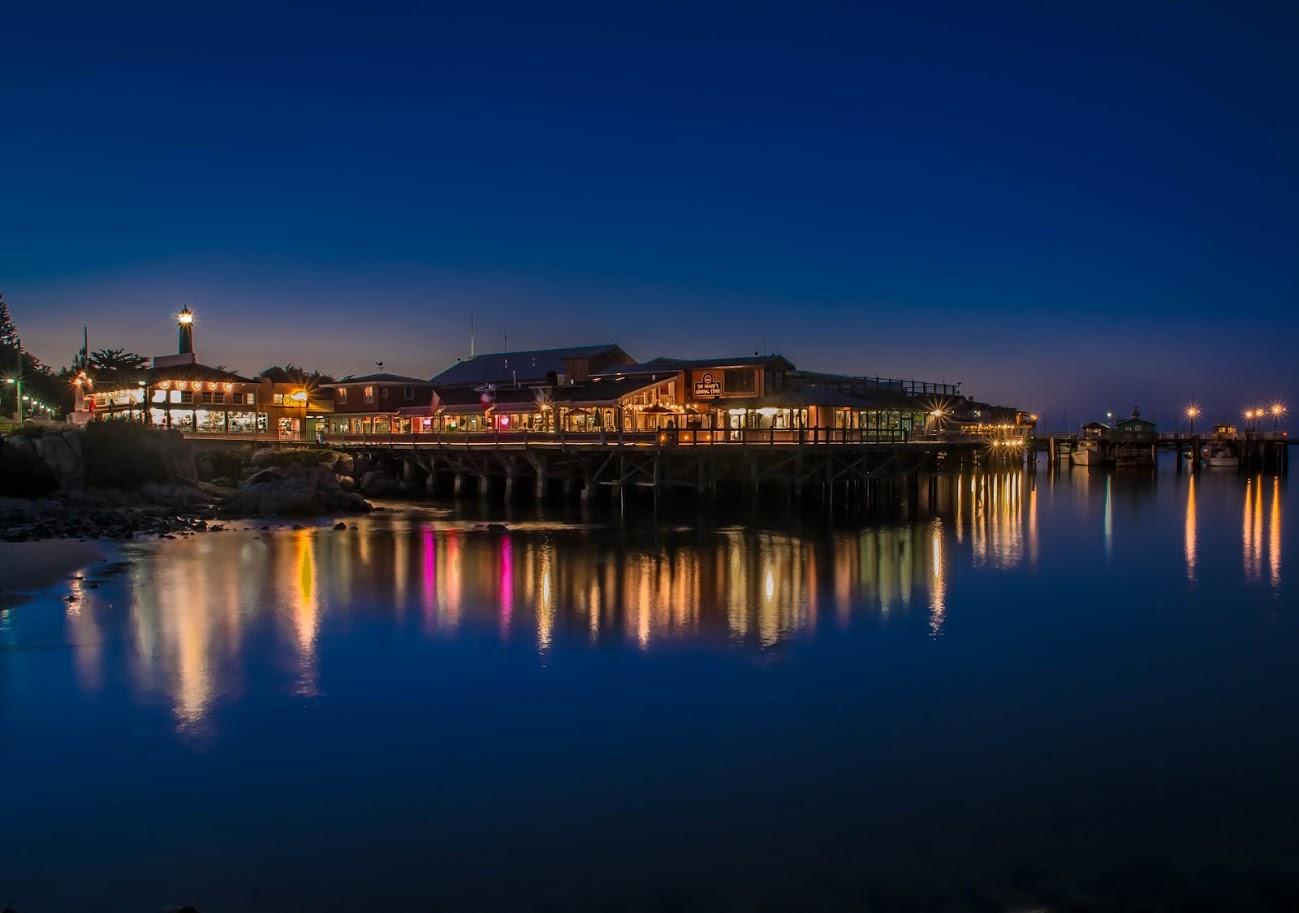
x,y
277,399
342,395
250,399
368,394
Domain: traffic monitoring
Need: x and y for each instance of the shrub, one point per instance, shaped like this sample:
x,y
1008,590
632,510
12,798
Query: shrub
x,y
23,474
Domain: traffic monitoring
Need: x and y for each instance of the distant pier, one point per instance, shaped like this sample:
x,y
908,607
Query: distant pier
x,y
1255,451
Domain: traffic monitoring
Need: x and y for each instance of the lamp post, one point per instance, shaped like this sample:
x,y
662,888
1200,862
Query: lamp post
x,y
1191,413
1277,411
18,409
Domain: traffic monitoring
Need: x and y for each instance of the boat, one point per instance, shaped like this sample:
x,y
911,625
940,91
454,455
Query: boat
x,y
1087,453
1220,456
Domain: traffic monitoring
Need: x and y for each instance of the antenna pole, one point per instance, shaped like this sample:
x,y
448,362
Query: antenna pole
x,y
471,335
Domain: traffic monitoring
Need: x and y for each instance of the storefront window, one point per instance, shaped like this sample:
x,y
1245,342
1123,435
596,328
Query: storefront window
x,y
211,420
243,422
182,419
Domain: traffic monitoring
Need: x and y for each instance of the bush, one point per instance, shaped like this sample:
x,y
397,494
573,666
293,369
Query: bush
x,y
23,474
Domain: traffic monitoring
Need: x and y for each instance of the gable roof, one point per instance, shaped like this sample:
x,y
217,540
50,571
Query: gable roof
x,y
663,363
529,365
377,379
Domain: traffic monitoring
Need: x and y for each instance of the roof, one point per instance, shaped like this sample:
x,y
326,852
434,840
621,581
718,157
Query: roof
x,y
195,372
530,365
122,380
377,379
663,363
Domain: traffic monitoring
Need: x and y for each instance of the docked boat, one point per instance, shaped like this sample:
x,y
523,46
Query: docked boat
x,y
1220,456
1087,453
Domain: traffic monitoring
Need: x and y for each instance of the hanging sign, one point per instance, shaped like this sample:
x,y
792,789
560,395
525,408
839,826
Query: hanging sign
x,y
706,385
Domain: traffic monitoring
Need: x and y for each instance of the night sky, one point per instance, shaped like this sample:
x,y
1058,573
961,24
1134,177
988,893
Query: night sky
x,y
1070,208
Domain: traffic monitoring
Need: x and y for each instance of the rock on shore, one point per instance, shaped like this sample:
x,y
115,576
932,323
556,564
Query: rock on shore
x,y
292,490
107,517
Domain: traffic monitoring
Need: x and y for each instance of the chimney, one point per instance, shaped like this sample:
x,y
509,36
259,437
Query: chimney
x,y
185,319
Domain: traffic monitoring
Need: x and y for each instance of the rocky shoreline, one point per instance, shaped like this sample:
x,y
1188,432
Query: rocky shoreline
x,y
117,483
52,518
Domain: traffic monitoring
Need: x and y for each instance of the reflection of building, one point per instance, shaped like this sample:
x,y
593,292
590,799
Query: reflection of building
x,y
179,393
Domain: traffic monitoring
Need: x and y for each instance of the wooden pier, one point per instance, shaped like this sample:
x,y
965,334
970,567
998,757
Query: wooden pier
x,y
1256,451
835,467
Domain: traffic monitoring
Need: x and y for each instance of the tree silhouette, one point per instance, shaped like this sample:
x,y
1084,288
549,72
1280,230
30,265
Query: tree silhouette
x,y
8,332
117,360
295,374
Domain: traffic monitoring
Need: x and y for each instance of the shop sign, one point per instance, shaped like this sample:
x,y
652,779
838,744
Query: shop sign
x,y
707,385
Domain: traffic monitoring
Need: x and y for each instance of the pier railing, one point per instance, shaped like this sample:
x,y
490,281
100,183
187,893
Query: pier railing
x,y
681,437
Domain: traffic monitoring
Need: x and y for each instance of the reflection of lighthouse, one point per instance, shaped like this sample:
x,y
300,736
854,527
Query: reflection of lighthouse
x,y
185,319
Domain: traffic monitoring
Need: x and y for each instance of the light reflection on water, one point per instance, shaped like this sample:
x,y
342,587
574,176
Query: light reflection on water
x,y
193,600
1026,625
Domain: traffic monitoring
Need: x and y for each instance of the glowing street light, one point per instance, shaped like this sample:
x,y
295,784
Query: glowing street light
x,y
1192,413
1278,410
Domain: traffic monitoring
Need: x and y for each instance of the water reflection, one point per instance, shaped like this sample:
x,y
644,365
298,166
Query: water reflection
x,y
1188,529
202,610
1274,534
1256,531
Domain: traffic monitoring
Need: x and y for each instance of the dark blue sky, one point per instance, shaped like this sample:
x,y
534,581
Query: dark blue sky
x,y
1066,208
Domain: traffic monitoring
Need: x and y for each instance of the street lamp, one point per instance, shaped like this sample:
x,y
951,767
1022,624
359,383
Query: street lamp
x,y
1278,410
1192,412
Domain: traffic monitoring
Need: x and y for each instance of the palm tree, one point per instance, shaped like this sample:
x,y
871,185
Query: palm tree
x,y
295,374
117,360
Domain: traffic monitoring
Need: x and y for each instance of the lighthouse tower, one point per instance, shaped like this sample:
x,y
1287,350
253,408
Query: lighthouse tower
x,y
185,350
185,320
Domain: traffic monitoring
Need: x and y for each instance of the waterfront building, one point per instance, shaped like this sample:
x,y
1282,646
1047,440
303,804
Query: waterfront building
x,y
578,389
179,393
372,404
1134,426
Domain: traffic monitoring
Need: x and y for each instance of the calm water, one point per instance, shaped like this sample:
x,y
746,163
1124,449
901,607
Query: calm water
x,y
1060,691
